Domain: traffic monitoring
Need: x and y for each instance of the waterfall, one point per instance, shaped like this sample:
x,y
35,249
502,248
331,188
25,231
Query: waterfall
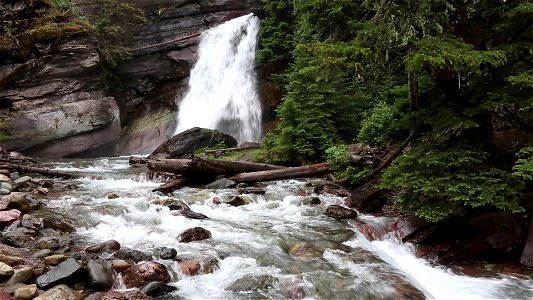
x,y
222,93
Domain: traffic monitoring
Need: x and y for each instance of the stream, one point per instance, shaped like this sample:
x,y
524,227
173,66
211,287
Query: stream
x,y
304,253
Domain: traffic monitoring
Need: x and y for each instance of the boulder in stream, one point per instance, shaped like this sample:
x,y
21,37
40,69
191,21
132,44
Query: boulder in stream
x,y
69,271
16,200
143,273
194,234
249,283
340,213
183,144
100,275
131,254
107,246
165,253
157,288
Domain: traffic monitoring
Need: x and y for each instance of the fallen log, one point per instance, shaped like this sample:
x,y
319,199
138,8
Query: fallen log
x,y
38,170
172,185
286,173
251,190
207,166
224,150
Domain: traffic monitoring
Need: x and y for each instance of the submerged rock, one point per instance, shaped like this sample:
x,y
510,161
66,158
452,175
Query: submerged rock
x,y
249,283
157,288
68,271
165,253
311,201
194,234
190,267
144,273
238,200
172,204
340,213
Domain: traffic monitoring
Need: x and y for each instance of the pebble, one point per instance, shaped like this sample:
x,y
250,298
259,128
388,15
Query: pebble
x,y
26,292
22,179
54,260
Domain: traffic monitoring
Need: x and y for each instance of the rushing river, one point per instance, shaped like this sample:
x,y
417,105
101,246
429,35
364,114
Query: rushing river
x,y
310,255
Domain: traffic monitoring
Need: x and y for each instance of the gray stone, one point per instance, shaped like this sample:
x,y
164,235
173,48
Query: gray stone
x,y
311,201
135,255
222,183
5,271
4,192
4,178
22,179
250,283
21,275
6,186
60,292
165,253
68,271
100,276
26,292
107,246
42,253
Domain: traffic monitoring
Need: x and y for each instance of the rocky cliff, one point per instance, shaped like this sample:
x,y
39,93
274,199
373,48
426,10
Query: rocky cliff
x,y
55,100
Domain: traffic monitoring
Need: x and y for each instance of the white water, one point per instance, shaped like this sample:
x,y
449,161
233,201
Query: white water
x,y
256,238
222,93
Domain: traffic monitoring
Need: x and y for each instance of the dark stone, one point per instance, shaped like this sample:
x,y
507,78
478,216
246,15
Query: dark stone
x,y
527,253
31,222
239,200
56,223
194,234
135,255
54,242
189,214
165,253
249,283
340,213
185,143
172,204
157,288
145,273
16,200
367,199
67,272
107,246
18,240
311,201
100,276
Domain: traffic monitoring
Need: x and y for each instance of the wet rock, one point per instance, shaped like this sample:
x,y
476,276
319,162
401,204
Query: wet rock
x,y
31,222
16,200
144,273
117,295
107,246
238,200
54,242
112,195
304,249
5,271
6,186
69,271
4,178
18,240
249,283
340,213
172,204
54,260
42,191
222,183
21,275
100,276
135,255
189,214
26,292
190,267
185,143
527,253
407,226
157,288
311,201
119,265
60,292
11,260
7,217
22,179
58,224
209,265
42,253
194,234
165,253
4,192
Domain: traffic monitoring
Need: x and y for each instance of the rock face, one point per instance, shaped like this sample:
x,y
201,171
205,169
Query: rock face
x,y
183,145
53,100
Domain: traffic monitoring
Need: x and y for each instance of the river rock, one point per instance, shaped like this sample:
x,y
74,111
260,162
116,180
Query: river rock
x,y
340,213
60,292
68,271
527,253
18,240
107,246
238,200
22,180
367,198
21,275
190,267
11,260
42,253
16,200
5,295
5,271
31,222
311,201
4,192
5,173
100,276
194,234
119,295
54,242
54,260
189,214
135,255
6,186
144,273
185,143
112,195
172,204
249,283
157,288
58,224
165,253
222,183
27,292
8,217
4,178
119,265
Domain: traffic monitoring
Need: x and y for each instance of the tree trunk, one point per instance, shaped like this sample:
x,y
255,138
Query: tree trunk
x,y
207,166
38,170
172,185
286,173
215,151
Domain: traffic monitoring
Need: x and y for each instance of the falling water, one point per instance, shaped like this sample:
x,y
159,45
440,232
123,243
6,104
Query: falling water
x,y
222,92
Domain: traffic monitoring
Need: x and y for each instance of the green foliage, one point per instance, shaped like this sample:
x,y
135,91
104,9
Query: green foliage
x,y
523,168
376,126
337,157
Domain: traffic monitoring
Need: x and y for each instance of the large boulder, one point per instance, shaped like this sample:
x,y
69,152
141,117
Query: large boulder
x,y
144,273
100,275
194,234
183,144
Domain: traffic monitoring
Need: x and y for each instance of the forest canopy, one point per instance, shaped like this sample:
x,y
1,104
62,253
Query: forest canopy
x,y
458,75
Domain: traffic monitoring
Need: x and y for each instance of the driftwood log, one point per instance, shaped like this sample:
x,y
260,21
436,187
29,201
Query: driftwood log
x,y
172,185
224,150
198,166
38,170
285,173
